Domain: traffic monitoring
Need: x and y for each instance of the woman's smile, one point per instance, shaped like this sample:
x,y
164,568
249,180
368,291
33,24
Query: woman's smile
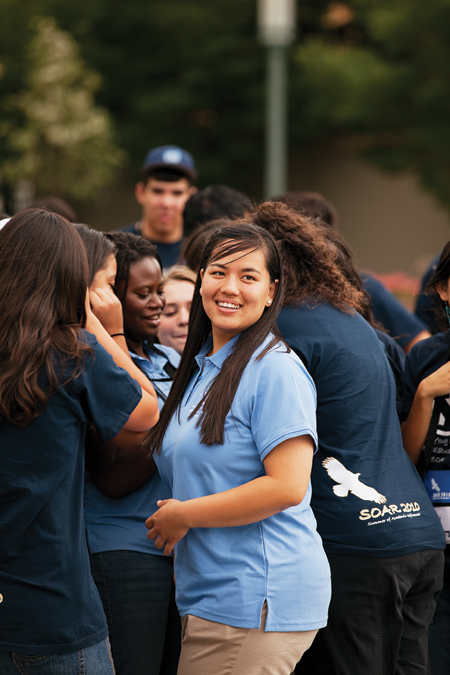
x,y
235,293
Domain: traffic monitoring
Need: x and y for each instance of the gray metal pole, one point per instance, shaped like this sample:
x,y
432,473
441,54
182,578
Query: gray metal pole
x,y
276,141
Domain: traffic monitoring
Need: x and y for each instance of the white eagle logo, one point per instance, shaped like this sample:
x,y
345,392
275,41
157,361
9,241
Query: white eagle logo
x,y
349,482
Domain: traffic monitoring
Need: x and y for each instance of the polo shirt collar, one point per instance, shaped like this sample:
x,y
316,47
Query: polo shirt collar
x,y
219,357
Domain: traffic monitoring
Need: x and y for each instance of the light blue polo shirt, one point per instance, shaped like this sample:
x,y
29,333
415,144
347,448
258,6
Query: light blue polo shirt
x,y
225,574
119,524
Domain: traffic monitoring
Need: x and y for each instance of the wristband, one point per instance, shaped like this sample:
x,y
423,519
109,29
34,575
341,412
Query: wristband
x,y
117,334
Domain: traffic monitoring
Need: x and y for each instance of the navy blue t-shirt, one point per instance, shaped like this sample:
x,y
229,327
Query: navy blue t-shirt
x,y
169,253
50,604
423,360
396,358
400,324
366,494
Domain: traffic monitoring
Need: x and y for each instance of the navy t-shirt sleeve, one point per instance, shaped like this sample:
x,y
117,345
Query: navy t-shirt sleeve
x,y
109,393
424,358
412,378
401,324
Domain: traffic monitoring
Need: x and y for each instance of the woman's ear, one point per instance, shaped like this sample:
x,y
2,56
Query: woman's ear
x,y
272,289
442,289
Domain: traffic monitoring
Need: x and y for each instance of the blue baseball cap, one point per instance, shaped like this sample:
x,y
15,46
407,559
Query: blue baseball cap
x,y
171,157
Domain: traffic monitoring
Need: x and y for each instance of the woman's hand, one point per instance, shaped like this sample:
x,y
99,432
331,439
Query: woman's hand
x,y
436,384
415,428
287,467
107,307
167,525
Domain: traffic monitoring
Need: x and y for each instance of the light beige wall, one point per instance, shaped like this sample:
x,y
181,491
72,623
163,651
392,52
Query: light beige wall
x,y
390,221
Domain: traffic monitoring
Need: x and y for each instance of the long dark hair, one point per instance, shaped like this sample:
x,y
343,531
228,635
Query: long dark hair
x,y
309,265
43,281
216,402
98,249
440,274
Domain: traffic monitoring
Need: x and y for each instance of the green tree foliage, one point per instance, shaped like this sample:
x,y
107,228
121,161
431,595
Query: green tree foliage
x,y
374,72
379,74
53,133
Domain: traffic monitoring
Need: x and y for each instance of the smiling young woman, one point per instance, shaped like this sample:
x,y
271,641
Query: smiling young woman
x,y
235,443
133,577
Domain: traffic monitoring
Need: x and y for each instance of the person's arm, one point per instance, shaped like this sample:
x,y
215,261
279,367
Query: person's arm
x,y
423,335
288,469
146,413
120,466
415,428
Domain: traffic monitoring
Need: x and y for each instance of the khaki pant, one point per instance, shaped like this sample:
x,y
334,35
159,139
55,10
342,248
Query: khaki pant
x,y
210,648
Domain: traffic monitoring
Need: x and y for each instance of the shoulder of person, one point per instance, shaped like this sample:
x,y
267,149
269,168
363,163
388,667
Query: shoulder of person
x,y
433,347
280,360
169,352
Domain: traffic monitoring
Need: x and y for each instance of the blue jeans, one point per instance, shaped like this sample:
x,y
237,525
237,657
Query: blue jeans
x,y
137,592
94,660
439,631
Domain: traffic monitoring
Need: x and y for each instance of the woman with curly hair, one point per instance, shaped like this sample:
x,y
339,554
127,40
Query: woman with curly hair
x,y
382,538
56,378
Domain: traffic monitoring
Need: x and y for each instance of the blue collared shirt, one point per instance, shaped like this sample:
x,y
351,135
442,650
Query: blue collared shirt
x,y
226,574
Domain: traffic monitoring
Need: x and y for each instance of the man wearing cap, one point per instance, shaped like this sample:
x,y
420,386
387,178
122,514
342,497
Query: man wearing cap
x,y
165,186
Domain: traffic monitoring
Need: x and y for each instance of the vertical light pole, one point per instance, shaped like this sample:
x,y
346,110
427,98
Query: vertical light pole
x,y
276,23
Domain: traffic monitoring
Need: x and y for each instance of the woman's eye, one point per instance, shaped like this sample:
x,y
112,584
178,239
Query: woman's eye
x,y
141,295
169,313
247,277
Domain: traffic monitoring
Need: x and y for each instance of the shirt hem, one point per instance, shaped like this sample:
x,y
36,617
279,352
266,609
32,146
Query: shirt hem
x,y
121,546
270,626
37,650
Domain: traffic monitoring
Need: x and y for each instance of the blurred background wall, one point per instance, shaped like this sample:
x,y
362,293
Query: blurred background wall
x,y
87,88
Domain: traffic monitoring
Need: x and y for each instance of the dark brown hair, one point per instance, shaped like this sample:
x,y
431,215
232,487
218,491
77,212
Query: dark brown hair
x,y
312,205
217,400
440,274
310,271
98,249
194,244
43,281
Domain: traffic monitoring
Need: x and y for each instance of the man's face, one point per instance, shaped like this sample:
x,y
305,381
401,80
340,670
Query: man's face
x,y
163,204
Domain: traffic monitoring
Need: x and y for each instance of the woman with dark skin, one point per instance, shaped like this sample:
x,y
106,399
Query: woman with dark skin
x,y
134,579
